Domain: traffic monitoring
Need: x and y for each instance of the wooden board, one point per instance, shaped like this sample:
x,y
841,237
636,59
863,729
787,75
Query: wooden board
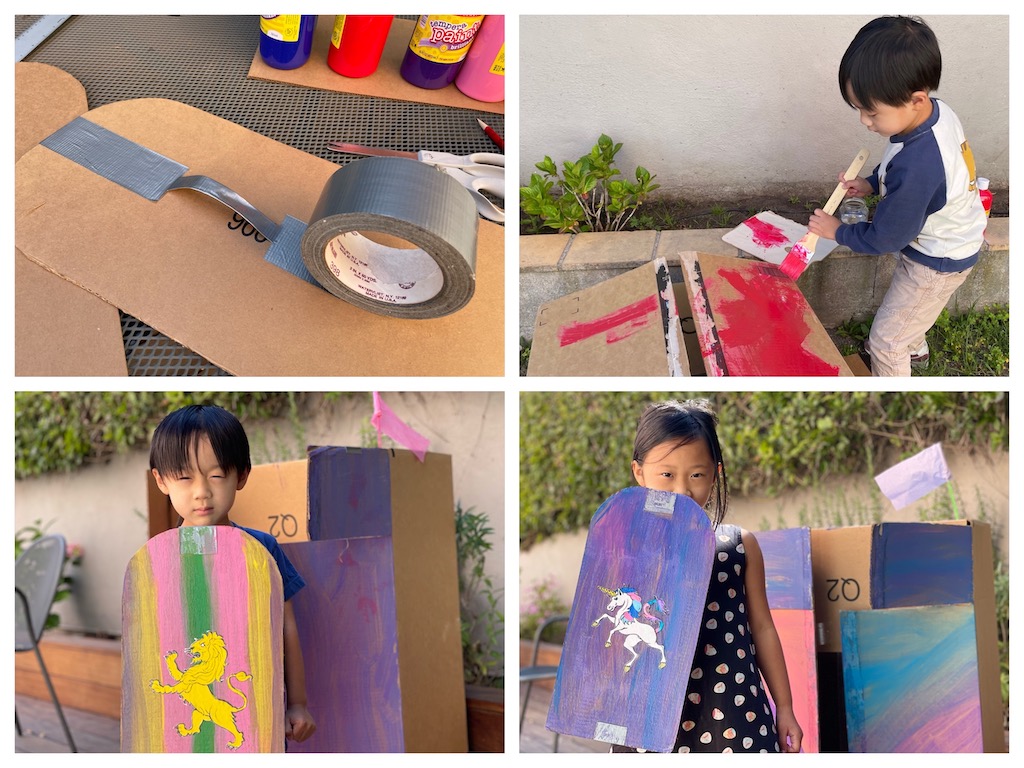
x,y
204,592
753,321
642,546
911,679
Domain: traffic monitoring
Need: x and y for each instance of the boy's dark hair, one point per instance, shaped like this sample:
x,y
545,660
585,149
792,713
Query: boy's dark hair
x,y
684,422
177,437
890,58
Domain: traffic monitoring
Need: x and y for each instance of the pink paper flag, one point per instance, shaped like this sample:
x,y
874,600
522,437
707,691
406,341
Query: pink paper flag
x,y
386,422
915,477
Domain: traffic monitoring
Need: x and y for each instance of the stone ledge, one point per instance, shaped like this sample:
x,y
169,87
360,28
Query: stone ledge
x,y
826,284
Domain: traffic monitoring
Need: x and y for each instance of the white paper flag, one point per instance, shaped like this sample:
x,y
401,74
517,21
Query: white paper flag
x,y
915,477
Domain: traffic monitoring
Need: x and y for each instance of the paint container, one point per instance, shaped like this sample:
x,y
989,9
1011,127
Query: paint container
x,y
286,41
986,195
482,76
357,44
853,211
437,49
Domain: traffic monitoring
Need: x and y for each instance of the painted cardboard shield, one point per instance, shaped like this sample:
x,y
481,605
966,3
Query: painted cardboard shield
x,y
202,645
634,621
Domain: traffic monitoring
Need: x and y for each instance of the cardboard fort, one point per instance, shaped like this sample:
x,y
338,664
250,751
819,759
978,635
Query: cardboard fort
x,y
728,317
903,565
374,538
245,315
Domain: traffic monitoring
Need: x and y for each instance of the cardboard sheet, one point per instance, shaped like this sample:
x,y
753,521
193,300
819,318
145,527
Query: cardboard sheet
x,y
180,265
753,321
84,337
769,237
386,82
625,326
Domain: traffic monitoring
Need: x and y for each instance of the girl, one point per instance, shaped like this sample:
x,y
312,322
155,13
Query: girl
x,y
676,449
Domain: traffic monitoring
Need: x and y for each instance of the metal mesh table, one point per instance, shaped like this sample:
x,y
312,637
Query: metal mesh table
x,y
203,61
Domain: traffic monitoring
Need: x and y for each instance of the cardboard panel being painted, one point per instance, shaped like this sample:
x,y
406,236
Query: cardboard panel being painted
x,y
182,266
626,326
752,320
201,646
787,566
622,675
911,680
770,237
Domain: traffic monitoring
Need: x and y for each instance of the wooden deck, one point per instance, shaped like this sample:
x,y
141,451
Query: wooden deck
x,y
42,732
536,738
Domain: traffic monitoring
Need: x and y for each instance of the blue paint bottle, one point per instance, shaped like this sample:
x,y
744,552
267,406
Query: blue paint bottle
x,y
286,41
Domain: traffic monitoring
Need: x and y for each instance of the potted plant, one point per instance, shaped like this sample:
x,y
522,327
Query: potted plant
x,y
482,634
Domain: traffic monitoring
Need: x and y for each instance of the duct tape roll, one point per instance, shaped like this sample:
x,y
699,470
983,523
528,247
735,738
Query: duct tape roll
x,y
394,236
391,235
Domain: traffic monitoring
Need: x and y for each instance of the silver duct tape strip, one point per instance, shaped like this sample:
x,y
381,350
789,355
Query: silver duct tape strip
x,y
431,274
403,198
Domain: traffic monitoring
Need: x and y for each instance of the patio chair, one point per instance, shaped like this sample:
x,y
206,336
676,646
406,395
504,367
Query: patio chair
x,y
535,672
37,574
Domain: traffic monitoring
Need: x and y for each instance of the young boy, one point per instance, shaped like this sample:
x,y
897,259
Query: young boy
x,y
200,459
930,210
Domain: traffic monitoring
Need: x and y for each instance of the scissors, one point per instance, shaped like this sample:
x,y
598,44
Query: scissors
x,y
478,172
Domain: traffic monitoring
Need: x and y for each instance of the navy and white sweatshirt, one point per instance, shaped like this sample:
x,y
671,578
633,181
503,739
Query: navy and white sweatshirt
x,y
930,208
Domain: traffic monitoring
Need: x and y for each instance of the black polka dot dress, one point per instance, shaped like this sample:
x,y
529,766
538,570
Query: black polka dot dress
x,y
726,708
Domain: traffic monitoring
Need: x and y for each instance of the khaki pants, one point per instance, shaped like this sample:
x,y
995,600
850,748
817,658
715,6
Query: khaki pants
x,y
910,307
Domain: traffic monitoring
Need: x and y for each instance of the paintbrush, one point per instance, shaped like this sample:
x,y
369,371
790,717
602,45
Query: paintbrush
x,y
800,255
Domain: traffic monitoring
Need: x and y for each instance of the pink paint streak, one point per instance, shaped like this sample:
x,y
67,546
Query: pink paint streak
x,y
766,327
765,234
796,261
617,325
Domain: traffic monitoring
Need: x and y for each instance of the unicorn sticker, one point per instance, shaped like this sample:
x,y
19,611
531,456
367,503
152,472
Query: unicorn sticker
x,y
629,608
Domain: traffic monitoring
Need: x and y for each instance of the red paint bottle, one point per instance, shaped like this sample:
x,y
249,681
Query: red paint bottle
x,y
357,44
985,194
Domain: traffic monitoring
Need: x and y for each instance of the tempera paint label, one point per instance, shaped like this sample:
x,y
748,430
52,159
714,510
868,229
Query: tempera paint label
x,y
284,28
339,27
381,273
444,39
498,65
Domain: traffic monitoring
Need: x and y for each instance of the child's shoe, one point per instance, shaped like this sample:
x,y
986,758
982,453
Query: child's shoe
x,y
920,358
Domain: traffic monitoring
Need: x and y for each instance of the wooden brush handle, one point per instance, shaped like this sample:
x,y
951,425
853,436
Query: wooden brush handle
x,y
851,173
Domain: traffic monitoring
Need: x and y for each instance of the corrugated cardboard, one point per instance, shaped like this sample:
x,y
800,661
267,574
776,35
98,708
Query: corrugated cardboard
x,y
781,338
387,82
177,265
409,505
842,578
625,326
84,337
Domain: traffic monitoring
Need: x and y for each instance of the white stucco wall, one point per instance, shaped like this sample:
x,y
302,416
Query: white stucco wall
x,y
734,105
103,508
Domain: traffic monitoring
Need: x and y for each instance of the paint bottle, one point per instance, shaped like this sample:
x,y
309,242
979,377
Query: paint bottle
x,y
853,211
986,195
357,44
286,41
482,76
437,48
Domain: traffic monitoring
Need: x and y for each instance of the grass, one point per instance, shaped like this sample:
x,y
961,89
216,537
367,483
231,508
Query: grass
x,y
973,343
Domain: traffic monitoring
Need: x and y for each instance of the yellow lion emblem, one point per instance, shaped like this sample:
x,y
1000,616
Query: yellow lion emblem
x,y
209,658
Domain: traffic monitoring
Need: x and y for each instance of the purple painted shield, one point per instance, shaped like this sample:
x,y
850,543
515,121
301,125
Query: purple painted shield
x,y
634,622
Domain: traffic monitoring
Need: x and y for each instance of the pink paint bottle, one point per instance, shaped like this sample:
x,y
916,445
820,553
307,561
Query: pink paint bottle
x,y
482,76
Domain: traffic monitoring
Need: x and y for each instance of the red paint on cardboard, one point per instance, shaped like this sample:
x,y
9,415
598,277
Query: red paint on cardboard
x,y
632,316
766,327
765,234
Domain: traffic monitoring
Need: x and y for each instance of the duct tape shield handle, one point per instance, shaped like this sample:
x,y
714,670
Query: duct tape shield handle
x,y
394,236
